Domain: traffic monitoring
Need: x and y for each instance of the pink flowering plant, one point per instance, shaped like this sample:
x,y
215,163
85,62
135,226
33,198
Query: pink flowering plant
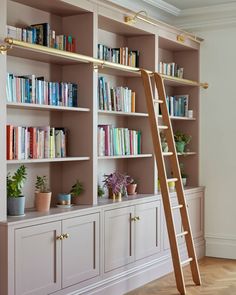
x,y
117,182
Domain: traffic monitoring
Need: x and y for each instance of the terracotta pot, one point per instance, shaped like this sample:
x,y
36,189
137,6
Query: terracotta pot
x,y
43,201
131,188
75,200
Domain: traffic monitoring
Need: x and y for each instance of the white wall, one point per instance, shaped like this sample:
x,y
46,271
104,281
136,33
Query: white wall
x,y
218,141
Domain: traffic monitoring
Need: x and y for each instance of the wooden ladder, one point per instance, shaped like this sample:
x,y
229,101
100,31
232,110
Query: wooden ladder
x,y
172,155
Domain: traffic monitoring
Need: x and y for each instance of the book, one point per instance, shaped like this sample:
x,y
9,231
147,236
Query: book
x,y
171,69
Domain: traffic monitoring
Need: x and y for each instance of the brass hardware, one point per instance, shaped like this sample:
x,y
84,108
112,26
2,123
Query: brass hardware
x,y
5,47
205,85
132,19
133,218
66,236
137,218
181,38
61,237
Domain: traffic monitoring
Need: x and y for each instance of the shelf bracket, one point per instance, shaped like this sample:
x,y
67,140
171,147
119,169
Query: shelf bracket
x,y
97,66
4,48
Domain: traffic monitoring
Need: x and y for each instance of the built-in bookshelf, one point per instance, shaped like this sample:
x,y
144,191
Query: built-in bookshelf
x,y
84,68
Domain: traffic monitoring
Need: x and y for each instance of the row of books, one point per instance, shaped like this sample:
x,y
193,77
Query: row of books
x,y
121,99
35,142
178,105
120,55
32,89
171,69
118,141
42,34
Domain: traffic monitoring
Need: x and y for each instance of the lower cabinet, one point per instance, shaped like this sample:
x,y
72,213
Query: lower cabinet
x,y
131,233
55,255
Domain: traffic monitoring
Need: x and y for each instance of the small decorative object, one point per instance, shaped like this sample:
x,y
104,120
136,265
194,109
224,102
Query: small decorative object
x,y
116,184
15,199
131,187
181,140
42,194
184,176
190,113
100,191
64,200
164,144
76,190
171,186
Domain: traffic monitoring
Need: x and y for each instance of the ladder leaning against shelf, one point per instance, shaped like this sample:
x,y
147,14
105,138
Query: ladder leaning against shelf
x,y
172,155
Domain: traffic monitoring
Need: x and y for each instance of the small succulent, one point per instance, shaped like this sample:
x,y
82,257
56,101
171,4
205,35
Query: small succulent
x,y
41,184
182,137
77,188
100,191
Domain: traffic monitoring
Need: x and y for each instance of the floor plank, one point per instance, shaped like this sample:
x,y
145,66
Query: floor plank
x,y
218,278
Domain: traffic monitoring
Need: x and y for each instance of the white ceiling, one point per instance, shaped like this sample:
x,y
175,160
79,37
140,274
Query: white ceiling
x,y
186,4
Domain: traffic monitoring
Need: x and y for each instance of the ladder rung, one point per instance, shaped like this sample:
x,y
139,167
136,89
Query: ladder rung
x,y
177,207
172,179
162,127
184,233
166,154
187,261
157,101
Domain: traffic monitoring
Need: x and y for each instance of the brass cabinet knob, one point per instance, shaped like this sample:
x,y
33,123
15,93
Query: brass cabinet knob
x,y
66,236
137,218
133,218
61,237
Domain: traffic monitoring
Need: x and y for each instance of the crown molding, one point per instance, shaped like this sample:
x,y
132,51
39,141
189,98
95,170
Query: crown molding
x,y
160,4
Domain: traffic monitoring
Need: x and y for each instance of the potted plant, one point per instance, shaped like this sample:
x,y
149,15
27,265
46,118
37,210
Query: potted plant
x,y
15,199
116,184
42,194
181,140
131,187
76,190
100,191
184,176
164,144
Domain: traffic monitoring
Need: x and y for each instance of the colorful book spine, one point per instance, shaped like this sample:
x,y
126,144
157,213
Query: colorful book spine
x,y
35,142
114,141
177,105
171,69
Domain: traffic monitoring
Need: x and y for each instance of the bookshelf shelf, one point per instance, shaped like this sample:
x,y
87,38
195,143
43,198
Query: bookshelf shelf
x,y
110,113
31,106
179,118
124,157
54,160
186,154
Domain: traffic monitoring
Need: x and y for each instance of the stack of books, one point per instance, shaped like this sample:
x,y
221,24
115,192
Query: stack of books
x,y
35,142
118,141
120,55
171,69
119,99
42,34
177,105
31,89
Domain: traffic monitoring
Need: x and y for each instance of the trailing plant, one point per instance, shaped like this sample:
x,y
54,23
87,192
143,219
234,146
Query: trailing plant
x,y
15,182
77,188
100,191
182,137
117,182
183,174
41,184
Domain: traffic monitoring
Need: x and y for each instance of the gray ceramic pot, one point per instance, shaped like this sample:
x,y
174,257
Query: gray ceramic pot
x,y
16,206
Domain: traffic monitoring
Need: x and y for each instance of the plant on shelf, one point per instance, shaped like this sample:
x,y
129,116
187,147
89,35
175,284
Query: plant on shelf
x,y
42,194
76,190
164,144
181,140
184,176
15,199
131,187
116,184
100,191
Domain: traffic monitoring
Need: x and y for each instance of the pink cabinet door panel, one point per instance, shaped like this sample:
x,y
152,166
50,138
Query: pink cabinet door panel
x,y
195,211
119,237
80,251
147,229
38,259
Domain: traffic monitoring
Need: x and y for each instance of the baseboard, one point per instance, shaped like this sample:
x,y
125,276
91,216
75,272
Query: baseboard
x,y
221,246
136,277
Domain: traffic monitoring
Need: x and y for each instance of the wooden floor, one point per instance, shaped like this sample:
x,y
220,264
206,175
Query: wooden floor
x,y
218,278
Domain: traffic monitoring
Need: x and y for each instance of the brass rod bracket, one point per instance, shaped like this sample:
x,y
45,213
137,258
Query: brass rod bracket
x,y
205,85
4,48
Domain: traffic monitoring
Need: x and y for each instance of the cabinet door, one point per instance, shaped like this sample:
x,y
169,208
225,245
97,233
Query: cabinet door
x,y
147,229
119,237
80,251
38,259
178,226
195,211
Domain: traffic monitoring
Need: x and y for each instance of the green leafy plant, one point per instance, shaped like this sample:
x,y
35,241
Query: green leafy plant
x,y
15,182
182,137
41,184
77,188
100,191
162,136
